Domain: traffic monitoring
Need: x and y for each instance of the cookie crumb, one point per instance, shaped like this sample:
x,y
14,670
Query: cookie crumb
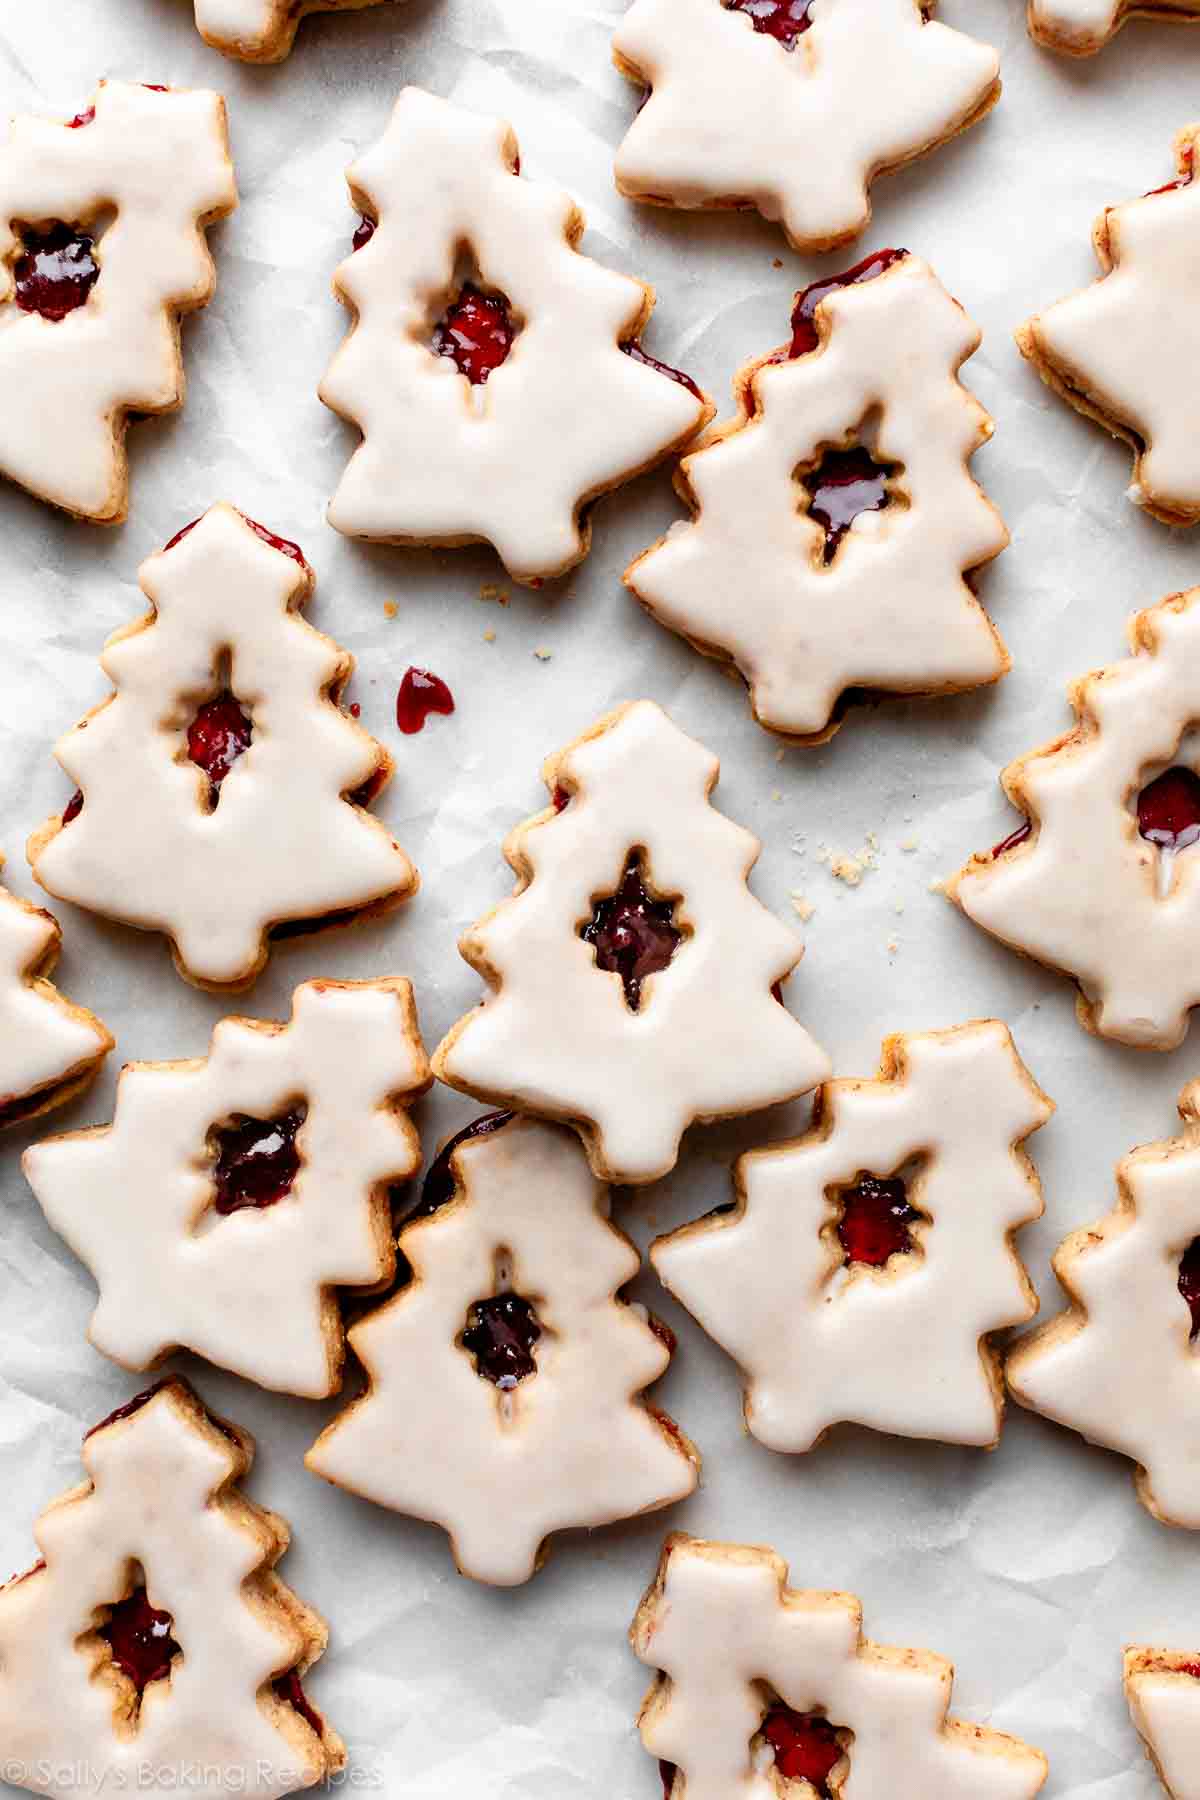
x,y
848,866
804,909
777,794
898,907
489,637
937,887
893,944
390,609
490,591
542,654
777,262
908,845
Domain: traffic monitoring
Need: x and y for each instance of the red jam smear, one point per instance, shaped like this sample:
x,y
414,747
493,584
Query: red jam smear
x,y
561,799
805,1744
844,484
631,933
1189,1283
285,546
288,1689
784,20
477,333
1188,1668
83,118
127,1410
633,349
364,231
804,330
74,807
257,1160
1012,840
439,1186
216,737
421,693
500,1335
139,1637
55,271
875,1220
1184,178
1168,809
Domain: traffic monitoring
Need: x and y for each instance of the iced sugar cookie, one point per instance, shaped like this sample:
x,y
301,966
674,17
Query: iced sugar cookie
x,y
1081,27
50,1049
1162,1688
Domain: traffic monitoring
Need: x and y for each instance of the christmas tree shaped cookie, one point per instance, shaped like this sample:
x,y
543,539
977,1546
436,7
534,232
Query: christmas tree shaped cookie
x,y
496,374
1163,1691
1124,350
261,31
102,250
790,107
222,788
1102,880
231,1197
153,1633
1119,1365
836,520
764,1690
527,1417
867,1263
1081,27
634,976
50,1049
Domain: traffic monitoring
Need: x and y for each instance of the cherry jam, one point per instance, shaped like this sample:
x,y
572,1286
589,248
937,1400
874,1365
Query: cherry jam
x,y
633,349
500,1335
477,334
139,1637
421,693
1189,1283
631,933
805,1744
784,20
364,232
1168,809
804,331
257,1160
437,1189
288,1689
844,484
216,737
1012,840
55,271
875,1221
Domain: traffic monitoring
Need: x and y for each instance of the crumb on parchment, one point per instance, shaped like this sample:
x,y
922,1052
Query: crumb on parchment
x,y
490,590
849,866
390,609
542,654
908,845
803,908
489,637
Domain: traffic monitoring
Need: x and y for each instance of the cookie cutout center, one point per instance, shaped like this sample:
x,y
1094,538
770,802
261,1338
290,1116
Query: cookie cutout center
x,y
804,330
55,271
219,733
257,1160
476,332
632,933
500,1334
876,1220
844,484
139,1639
1168,810
784,20
1189,1283
801,1747
421,693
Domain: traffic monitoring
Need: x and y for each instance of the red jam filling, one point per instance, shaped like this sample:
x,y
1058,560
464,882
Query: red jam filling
x,y
784,20
875,1220
632,934
1183,179
1189,1282
1188,1668
476,333
364,231
285,546
1168,809
216,737
73,808
561,799
500,1335
127,1410
804,330
805,1744
84,118
844,484
288,1689
438,1187
257,1160
632,348
140,1640
55,271
1012,840
421,693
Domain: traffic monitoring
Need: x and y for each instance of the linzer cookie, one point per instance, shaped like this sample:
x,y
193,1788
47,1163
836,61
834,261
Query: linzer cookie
x,y
50,1049
1119,1366
232,1197
634,979
1102,878
866,1266
222,788
1081,27
102,250
837,526
763,1690
791,106
261,31
1162,1688
152,1635
1123,350
496,374
527,1416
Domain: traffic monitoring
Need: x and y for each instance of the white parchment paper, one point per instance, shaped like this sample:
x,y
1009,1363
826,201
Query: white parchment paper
x,y
1029,1567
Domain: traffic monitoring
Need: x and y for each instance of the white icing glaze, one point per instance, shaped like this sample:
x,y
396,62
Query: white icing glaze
x,y
735,118
1125,1374
1081,27
47,1045
260,30
556,1035
1126,347
251,1291
719,1622
162,162
283,842
150,1501
567,1446
1164,1703
900,1349
892,610
566,416
1082,893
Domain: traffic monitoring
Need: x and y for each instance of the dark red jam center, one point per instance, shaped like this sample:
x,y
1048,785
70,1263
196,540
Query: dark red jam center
x,y
844,484
783,20
500,1335
421,693
288,1689
55,271
804,331
1189,1282
1013,839
805,1744
438,1187
476,333
1168,809
561,799
634,349
875,1220
216,737
140,1640
73,808
364,232
631,933
257,1160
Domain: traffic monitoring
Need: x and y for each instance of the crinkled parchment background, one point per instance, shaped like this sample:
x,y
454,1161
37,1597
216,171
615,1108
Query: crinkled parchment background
x,y
1029,1567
